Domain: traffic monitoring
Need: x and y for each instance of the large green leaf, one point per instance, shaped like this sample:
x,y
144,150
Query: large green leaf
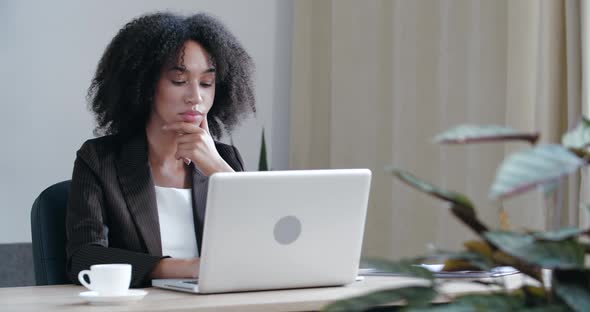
x,y
573,286
477,303
525,170
487,307
448,307
533,295
414,296
498,302
262,161
547,308
403,267
459,199
483,133
462,307
559,235
547,254
461,206
579,137
576,297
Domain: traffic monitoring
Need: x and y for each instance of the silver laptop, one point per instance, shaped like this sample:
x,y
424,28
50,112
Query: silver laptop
x,y
279,230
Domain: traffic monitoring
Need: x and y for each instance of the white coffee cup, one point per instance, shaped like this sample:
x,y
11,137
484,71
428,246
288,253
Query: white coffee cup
x,y
107,279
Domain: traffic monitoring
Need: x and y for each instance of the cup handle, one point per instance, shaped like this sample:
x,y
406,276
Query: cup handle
x,y
83,281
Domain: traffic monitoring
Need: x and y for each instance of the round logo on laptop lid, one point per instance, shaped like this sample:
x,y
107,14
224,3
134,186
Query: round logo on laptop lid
x,y
287,230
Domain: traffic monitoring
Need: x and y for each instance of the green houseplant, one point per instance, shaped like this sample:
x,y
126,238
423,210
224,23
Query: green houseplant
x,y
262,157
562,251
262,160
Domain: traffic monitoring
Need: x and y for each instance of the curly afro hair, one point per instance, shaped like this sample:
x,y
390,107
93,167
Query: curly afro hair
x,y
122,92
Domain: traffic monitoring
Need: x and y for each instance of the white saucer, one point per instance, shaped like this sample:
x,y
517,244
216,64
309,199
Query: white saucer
x,y
132,295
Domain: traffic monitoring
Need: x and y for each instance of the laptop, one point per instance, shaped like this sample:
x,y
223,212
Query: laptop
x,y
280,230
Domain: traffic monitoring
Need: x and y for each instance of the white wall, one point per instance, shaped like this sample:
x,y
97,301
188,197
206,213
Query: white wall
x,y
48,53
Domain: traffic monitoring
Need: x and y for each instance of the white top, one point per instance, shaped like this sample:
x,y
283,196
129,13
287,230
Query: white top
x,y
177,228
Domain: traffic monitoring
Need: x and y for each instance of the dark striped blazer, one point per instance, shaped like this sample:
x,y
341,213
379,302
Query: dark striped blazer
x,y
112,215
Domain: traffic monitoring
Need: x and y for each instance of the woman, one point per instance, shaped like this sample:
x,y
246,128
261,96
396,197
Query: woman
x,y
164,88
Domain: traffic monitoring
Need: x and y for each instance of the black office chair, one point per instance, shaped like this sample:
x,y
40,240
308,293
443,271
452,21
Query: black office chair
x,y
48,229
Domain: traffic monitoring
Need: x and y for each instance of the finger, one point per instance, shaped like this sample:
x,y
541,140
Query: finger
x,y
190,138
189,147
204,124
182,127
185,154
181,154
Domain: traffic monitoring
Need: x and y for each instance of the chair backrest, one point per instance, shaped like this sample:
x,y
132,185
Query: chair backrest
x,y
48,218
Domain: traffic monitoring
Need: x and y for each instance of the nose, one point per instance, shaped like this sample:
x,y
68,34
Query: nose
x,y
194,94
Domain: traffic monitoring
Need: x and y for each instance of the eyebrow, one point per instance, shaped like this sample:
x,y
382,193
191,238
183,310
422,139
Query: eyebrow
x,y
183,69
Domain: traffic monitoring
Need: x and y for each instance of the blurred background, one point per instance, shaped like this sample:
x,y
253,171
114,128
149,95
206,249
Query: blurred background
x,y
339,84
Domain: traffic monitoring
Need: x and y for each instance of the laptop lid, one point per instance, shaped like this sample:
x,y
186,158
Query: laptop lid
x,y
283,229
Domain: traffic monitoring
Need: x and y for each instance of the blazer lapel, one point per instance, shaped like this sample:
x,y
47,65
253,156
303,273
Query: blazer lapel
x,y
200,186
137,184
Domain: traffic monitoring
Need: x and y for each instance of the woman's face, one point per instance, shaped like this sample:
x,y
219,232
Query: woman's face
x,y
186,89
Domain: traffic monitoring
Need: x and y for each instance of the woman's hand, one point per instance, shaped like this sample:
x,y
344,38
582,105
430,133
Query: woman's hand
x,y
176,268
196,144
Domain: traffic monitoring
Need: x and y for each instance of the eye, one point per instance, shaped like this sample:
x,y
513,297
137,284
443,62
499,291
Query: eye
x,y
206,84
178,82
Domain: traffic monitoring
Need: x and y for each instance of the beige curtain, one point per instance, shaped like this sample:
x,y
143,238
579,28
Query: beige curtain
x,y
544,91
584,216
374,81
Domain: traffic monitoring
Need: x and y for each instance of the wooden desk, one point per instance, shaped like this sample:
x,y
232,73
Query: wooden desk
x,y
65,297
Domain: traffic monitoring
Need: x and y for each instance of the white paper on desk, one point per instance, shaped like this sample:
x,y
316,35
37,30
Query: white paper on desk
x,y
495,272
438,273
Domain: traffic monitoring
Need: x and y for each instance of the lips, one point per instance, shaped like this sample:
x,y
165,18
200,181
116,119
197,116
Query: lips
x,y
192,113
191,116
